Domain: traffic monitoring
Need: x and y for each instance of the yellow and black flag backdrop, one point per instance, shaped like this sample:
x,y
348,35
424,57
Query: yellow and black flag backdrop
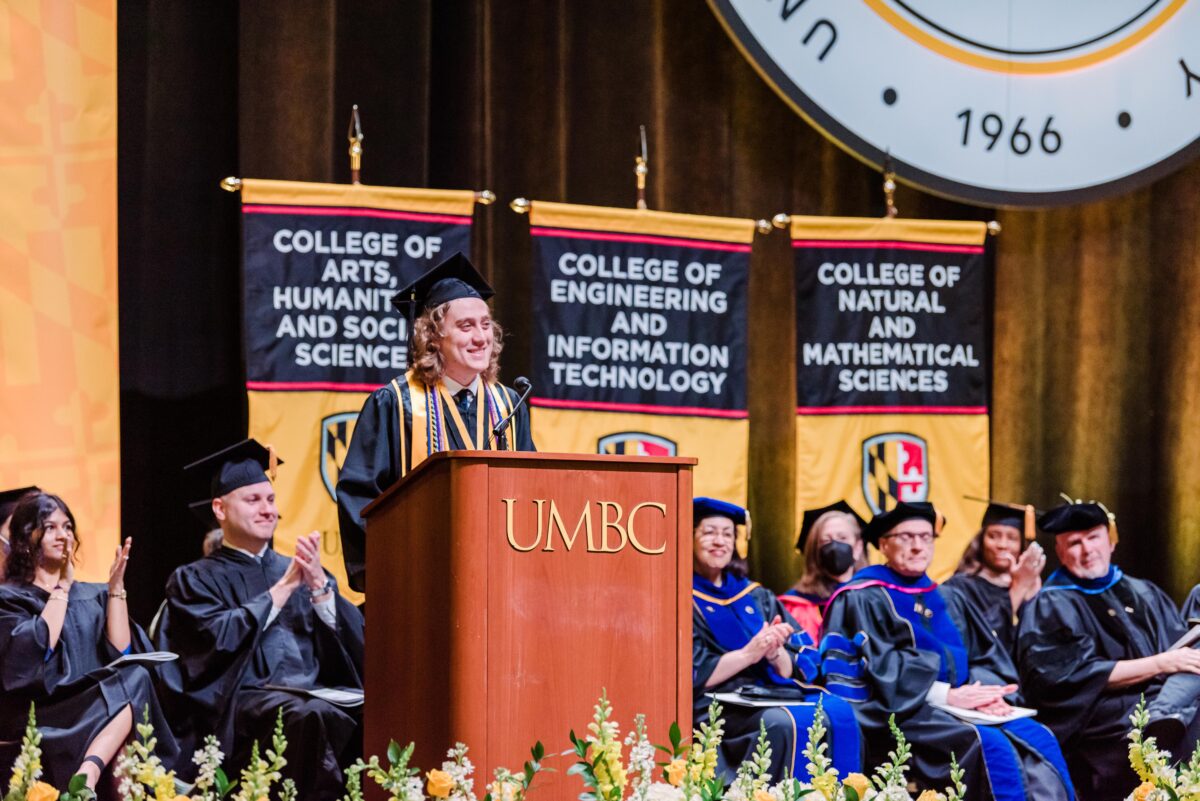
x,y
322,262
893,373
640,339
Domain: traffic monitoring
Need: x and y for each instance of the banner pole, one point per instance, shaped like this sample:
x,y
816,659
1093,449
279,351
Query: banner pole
x,y
641,169
355,135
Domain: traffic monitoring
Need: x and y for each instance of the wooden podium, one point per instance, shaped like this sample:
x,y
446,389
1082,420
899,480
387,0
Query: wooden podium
x,y
505,590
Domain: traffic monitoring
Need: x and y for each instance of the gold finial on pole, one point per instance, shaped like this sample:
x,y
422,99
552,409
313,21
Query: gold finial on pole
x,y
781,220
641,169
889,186
520,206
231,184
994,228
762,226
485,197
355,135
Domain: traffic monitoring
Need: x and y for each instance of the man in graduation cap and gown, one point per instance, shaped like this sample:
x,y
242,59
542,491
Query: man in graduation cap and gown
x,y
449,399
257,632
744,640
998,573
1094,641
891,647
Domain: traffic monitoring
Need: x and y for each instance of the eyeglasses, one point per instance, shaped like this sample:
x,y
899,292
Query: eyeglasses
x,y
715,533
909,537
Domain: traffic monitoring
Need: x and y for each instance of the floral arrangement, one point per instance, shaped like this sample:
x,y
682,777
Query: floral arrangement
x,y
691,773
1161,780
24,784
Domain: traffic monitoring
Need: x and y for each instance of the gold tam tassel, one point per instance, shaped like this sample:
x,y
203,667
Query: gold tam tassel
x,y
742,543
272,462
1030,523
939,522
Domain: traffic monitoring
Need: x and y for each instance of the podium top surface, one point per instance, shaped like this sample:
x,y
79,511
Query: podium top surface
x,y
598,459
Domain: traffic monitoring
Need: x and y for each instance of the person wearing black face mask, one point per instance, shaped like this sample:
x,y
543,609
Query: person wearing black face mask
x,y
831,541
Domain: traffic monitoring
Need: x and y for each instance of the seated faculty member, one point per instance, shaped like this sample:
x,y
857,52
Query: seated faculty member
x,y
891,647
449,399
743,638
998,573
1095,640
832,544
256,631
57,638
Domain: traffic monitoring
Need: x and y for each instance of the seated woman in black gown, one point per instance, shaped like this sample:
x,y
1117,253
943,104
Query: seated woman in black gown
x,y
742,636
56,637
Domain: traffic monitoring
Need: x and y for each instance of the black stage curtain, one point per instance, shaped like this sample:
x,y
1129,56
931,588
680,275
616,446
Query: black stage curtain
x,y
1097,326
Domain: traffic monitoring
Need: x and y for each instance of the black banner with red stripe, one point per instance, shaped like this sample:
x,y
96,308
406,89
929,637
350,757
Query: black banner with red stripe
x,y
891,327
640,323
318,284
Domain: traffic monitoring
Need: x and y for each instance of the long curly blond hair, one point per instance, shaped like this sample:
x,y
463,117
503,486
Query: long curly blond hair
x,y
426,355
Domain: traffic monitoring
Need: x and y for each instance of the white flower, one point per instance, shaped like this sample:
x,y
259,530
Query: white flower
x,y
661,791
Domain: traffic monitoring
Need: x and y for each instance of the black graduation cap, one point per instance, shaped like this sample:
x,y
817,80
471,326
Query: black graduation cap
x,y
248,462
999,513
9,498
711,507
883,523
204,513
453,278
1077,516
811,516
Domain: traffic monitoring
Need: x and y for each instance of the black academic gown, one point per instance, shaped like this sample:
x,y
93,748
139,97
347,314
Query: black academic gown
x,y
372,463
992,603
75,694
1070,637
870,656
231,664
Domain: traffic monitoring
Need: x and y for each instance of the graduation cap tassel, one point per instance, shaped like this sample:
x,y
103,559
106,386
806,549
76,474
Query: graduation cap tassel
x,y
939,523
1113,535
743,539
272,462
1030,523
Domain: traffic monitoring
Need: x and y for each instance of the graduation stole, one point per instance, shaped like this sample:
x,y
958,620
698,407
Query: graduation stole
x,y
735,617
429,420
925,612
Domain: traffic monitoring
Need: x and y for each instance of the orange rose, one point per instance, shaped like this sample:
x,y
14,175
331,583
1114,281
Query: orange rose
x,y
1143,791
860,783
440,783
763,795
675,772
41,791
929,795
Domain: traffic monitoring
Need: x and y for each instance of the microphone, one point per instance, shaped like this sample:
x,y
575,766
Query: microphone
x,y
524,386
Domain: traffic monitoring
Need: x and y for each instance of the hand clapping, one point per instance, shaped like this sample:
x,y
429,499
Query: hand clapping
x,y
116,573
769,639
308,558
987,698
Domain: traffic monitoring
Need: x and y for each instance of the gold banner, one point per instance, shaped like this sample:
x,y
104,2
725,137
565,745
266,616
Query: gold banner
x,y
893,369
839,456
719,445
59,389
609,376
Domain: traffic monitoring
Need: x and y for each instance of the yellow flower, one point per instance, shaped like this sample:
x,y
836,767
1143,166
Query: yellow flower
x,y
440,783
1143,791
42,792
826,785
860,783
763,795
929,795
676,771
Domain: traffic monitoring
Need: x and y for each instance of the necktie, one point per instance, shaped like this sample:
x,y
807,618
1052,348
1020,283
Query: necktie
x,y
465,400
